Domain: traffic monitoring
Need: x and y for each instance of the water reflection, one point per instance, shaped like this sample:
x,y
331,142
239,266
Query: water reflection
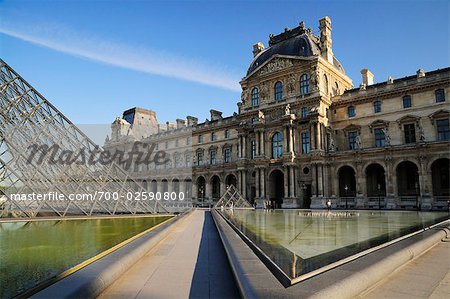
x,y
300,241
31,252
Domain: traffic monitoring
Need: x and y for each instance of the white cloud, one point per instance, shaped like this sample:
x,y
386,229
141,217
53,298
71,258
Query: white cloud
x,y
139,59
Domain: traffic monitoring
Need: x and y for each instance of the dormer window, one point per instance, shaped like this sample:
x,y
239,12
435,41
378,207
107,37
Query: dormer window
x,y
278,91
255,97
304,84
351,112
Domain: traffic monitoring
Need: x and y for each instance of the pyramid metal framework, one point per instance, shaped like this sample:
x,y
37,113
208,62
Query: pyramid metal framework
x,y
231,198
26,119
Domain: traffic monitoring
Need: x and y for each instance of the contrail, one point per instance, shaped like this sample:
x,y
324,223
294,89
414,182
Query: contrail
x,y
143,60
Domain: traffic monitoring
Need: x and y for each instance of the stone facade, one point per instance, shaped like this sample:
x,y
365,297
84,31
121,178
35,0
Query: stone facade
x,y
303,135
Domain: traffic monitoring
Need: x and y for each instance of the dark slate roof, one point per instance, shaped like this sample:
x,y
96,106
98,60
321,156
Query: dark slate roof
x,y
300,45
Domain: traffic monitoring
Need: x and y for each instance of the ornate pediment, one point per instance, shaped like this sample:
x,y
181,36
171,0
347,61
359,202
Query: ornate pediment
x,y
408,119
352,127
439,114
274,65
378,123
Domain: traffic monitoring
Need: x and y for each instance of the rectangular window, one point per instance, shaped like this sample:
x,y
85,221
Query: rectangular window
x,y
304,112
443,129
227,134
253,145
305,143
440,95
227,155
410,133
200,138
351,111
377,106
213,136
379,138
199,159
407,101
352,140
212,159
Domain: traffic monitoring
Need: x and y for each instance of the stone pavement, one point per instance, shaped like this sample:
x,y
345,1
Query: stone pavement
x,y
427,276
190,263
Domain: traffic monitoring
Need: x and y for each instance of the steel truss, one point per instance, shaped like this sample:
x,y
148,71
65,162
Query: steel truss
x,y
26,119
231,198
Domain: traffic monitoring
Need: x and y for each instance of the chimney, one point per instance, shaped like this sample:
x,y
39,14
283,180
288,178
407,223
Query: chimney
x,y
215,115
191,121
181,123
257,48
325,39
367,77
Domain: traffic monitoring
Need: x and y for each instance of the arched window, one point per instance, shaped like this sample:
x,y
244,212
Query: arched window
x,y
255,97
277,145
325,84
278,91
304,84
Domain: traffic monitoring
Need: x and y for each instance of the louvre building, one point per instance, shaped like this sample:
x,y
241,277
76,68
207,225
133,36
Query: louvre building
x,y
304,133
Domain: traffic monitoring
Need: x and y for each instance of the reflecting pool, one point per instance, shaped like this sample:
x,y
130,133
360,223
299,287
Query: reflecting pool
x,y
34,251
301,241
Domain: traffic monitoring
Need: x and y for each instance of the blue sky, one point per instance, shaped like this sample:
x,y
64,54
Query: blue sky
x,y
94,59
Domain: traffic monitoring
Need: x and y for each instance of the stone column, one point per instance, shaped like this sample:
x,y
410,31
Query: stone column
x,y
286,181
314,180
222,187
291,140
263,182
291,181
208,190
312,137
194,191
326,180
319,135
244,184
257,186
262,152
320,180
244,147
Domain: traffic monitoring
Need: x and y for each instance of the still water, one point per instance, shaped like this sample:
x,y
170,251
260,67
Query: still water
x,y
34,251
300,241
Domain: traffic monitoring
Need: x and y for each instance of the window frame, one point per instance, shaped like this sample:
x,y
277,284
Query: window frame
x,y
227,155
440,92
353,109
213,157
380,137
306,142
277,145
351,137
278,91
377,106
304,84
304,112
255,97
445,133
253,149
408,134
407,99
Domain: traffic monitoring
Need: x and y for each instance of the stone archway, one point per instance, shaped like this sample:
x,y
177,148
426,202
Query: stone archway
x,y
276,187
407,179
215,187
347,181
165,186
176,186
440,174
201,185
187,188
154,186
375,180
231,180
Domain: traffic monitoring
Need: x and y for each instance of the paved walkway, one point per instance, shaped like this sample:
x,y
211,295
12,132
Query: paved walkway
x,y
190,263
427,276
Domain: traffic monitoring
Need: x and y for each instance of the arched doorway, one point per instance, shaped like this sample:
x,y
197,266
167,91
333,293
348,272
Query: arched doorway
x,y
215,185
440,174
231,180
201,183
408,179
347,182
375,180
144,185
276,187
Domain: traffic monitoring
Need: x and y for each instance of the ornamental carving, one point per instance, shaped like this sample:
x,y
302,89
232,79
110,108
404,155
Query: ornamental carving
x,y
275,65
